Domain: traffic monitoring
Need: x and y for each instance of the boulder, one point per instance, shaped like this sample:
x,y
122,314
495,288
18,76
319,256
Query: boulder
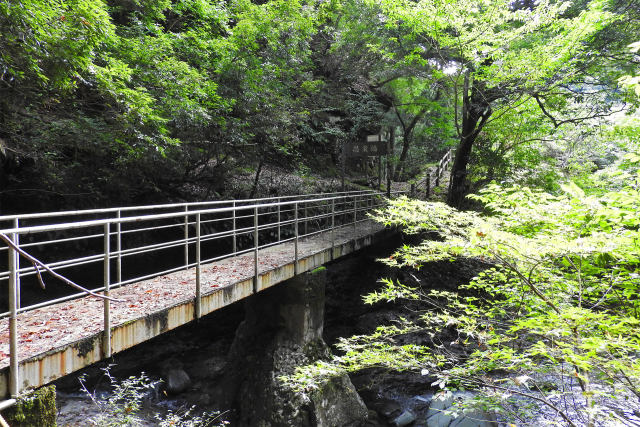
x,y
176,381
337,403
404,419
443,413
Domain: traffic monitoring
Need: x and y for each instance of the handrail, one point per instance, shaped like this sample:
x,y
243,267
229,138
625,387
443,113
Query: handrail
x,y
129,219
440,168
259,223
161,206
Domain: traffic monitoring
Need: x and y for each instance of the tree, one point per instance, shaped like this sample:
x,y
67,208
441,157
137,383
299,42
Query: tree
x,y
488,57
632,82
152,99
557,301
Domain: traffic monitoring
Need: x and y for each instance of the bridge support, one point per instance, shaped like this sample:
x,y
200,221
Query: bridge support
x,y
283,329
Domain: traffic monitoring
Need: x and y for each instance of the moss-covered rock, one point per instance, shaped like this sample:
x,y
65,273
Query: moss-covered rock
x,y
37,408
337,403
318,270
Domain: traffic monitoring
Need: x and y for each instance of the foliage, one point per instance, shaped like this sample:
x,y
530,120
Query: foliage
x,y
632,82
35,407
51,42
123,404
559,303
193,86
166,99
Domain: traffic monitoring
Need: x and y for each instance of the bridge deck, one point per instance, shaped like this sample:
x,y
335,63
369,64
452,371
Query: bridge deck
x,y
59,339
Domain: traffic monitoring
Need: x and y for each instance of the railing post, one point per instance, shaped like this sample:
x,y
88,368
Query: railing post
x,y
428,190
186,237
198,302
234,245
119,249
379,173
16,224
295,241
327,216
279,211
355,211
255,250
333,226
438,175
371,207
14,376
107,280
306,219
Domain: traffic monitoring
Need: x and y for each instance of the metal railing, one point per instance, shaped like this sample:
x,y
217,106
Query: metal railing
x,y
84,243
430,183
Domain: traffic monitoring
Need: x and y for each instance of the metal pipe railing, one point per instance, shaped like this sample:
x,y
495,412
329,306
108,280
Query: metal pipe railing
x,y
269,221
107,283
256,245
14,380
66,214
136,251
198,301
134,219
297,238
120,253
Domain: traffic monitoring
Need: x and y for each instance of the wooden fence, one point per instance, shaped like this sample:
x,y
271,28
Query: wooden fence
x,y
432,178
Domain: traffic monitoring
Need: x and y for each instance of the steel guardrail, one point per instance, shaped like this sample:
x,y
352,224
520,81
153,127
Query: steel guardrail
x,y
242,226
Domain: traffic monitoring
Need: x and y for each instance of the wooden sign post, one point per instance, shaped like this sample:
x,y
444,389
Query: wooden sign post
x,y
371,146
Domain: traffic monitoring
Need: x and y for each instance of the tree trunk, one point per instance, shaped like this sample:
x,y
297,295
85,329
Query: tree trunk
x,y
392,137
403,157
476,110
407,135
458,182
256,181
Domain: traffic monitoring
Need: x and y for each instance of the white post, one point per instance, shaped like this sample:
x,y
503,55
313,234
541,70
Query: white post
x,y
355,212
186,237
306,219
295,245
279,236
255,249
14,378
119,249
198,305
333,226
234,245
16,224
106,302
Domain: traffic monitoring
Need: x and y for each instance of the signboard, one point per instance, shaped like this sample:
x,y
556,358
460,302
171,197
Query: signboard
x,y
374,145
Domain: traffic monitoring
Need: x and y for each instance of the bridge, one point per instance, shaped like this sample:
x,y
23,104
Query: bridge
x,y
150,269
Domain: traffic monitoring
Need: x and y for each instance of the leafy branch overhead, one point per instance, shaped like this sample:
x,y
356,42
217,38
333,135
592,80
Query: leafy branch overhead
x,y
558,299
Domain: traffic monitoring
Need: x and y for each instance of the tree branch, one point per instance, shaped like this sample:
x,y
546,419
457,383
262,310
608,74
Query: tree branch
x,y
37,264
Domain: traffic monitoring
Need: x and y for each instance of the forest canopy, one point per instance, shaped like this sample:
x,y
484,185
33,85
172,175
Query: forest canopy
x,y
108,102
